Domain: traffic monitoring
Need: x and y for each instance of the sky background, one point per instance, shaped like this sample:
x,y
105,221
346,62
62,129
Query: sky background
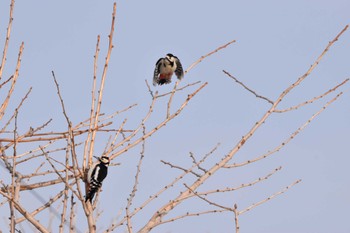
x,y
277,41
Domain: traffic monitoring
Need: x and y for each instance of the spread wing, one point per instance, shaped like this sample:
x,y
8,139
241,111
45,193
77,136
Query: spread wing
x,y
157,71
179,72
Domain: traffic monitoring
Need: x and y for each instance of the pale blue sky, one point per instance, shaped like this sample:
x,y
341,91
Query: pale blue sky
x,y
277,41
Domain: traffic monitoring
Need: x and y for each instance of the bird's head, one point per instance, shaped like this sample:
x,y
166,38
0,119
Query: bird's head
x,y
170,57
105,160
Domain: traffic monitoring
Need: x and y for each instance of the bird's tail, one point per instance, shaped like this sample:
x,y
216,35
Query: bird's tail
x,y
90,195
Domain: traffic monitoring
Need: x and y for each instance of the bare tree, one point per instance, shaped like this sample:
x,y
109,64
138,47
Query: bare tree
x,y
63,171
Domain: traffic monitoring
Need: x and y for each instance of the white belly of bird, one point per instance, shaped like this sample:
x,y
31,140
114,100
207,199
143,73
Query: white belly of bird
x,y
167,69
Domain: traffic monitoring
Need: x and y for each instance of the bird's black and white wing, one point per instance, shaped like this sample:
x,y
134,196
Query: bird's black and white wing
x,y
96,174
157,72
93,184
179,72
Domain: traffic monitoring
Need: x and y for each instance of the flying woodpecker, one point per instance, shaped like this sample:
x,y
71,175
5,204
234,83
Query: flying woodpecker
x,y
165,68
96,174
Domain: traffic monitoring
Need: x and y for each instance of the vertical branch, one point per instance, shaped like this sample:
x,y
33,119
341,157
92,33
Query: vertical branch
x,y
93,99
15,76
71,146
75,164
87,207
171,99
65,196
72,216
8,33
91,221
100,92
13,185
236,213
133,192
71,143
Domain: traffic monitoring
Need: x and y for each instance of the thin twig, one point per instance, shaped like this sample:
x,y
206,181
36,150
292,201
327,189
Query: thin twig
x,y
180,168
60,97
188,214
247,88
18,107
14,80
171,98
269,198
8,80
7,40
230,189
112,145
207,55
313,99
208,201
195,161
179,89
149,89
134,189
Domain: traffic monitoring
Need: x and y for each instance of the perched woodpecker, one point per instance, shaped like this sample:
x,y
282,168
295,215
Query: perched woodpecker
x,y
96,174
165,68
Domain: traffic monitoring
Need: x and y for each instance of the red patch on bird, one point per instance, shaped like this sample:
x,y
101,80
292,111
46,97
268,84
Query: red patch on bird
x,y
165,76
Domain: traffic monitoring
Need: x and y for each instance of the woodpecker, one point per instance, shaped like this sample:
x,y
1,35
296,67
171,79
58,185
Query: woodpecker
x,y
96,174
165,68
